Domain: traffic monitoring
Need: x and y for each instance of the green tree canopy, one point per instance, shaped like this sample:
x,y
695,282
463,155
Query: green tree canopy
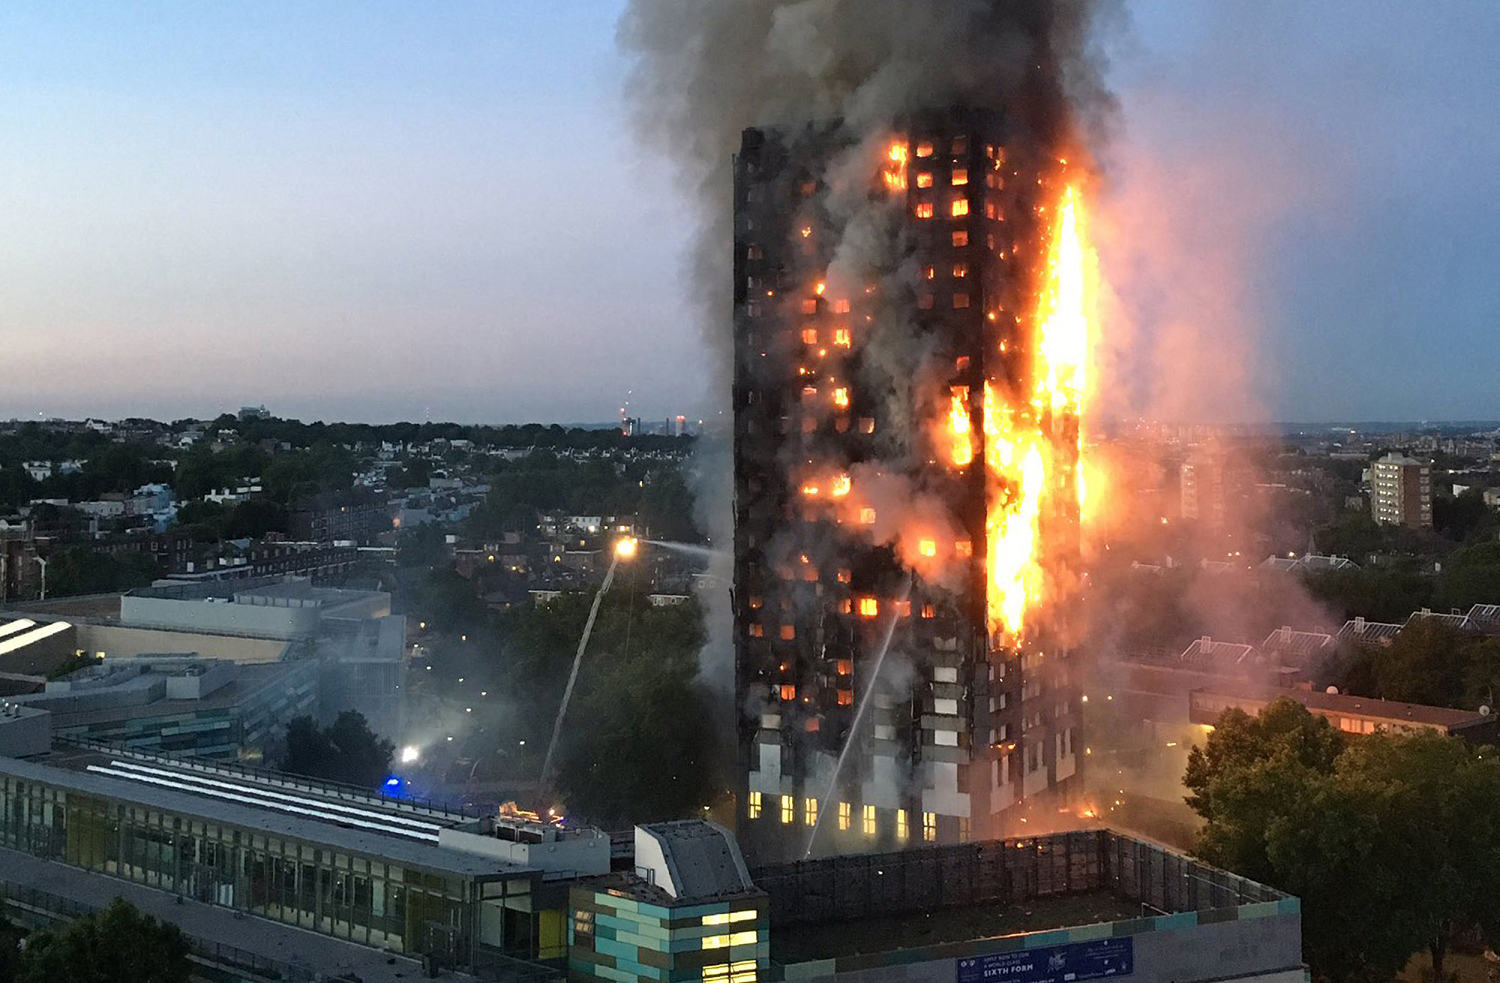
x,y
346,751
118,944
1389,840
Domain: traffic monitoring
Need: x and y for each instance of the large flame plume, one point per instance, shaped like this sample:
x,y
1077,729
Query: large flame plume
x,y
1033,445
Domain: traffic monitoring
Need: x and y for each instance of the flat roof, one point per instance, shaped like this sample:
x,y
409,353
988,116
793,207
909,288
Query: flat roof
x,y
69,771
832,940
248,680
1357,706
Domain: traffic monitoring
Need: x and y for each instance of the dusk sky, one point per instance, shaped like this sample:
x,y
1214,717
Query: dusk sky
x,y
383,211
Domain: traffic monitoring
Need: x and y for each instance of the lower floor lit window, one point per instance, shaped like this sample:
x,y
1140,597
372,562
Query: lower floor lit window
x,y
929,827
754,808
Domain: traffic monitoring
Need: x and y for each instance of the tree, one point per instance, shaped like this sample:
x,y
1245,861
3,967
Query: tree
x,y
346,751
116,945
1387,839
1470,576
1246,770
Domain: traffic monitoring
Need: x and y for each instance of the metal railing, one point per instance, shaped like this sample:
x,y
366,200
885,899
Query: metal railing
x,y
276,779
23,899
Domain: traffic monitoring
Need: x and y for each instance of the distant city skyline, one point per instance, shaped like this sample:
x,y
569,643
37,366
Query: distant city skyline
x,y
372,212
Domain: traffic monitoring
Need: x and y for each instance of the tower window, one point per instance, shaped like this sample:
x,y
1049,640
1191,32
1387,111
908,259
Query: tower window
x,y
960,238
924,209
810,813
846,814
788,809
924,180
960,302
960,207
752,809
868,817
960,176
929,827
924,149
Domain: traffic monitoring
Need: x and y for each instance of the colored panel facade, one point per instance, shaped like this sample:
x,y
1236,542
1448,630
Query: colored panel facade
x,y
619,938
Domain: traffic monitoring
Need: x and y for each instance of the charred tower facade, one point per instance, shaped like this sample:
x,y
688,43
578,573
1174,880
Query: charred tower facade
x,y
886,345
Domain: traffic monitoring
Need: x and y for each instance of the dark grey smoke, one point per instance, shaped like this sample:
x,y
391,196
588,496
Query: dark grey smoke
x,y
704,70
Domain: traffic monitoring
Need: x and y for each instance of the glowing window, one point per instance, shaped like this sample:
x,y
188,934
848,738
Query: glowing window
x,y
788,807
963,547
929,611
929,827
846,606
960,270
841,398
929,272
846,697
903,825
960,207
809,336
787,692
742,972
844,576
753,806
960,176
841,306
756,603
960,238
869,607
846,815
924,149
810,813
788,632
924,210
990,211
845,667
867,816
867,516
841,337
757,631
928,548
960,302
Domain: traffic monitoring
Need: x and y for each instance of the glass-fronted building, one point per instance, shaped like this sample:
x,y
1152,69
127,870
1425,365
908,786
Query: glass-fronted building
x,y
365,870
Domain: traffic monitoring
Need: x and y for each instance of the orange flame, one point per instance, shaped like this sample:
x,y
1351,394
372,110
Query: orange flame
x,y
895,172
1032,445
961,427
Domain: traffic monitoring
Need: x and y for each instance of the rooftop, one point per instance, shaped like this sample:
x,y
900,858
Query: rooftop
x,y
378,828
1356,706
831,940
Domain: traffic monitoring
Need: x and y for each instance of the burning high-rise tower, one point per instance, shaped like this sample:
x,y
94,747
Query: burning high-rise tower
x,y
911,341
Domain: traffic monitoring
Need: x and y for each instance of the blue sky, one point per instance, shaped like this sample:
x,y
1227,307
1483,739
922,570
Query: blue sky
x,y
393,210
